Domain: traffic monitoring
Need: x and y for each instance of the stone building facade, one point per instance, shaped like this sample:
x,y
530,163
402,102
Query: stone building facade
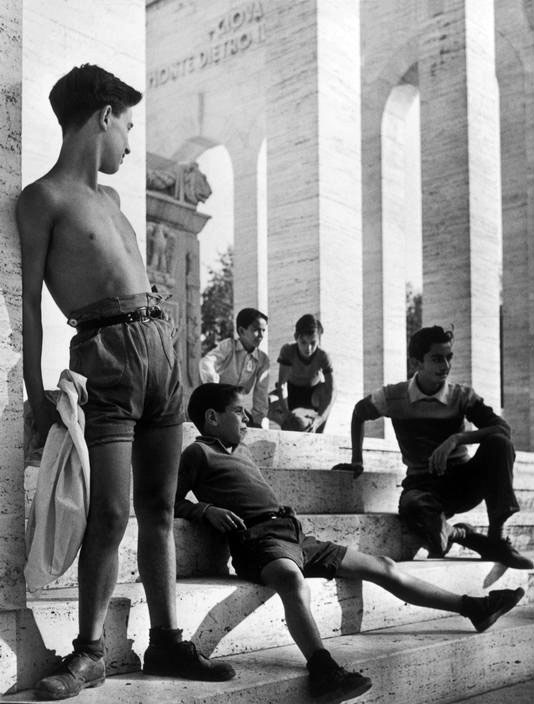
x,y
321,81
315,80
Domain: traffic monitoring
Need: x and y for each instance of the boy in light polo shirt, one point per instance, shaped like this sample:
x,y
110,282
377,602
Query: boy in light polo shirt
x,y
428,415
241,362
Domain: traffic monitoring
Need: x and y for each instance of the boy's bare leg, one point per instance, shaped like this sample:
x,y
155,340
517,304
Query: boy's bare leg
x,y
287,580
156,454
385,572
326,677
107,521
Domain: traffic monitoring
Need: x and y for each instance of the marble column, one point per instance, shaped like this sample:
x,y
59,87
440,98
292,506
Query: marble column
x,y
459,173
313,182
246,255
515,72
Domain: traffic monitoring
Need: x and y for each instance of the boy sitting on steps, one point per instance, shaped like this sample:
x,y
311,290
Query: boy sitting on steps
x,y
268,546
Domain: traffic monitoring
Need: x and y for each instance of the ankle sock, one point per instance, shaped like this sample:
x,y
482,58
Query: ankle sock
x,y
472,606
93,648
160,636
321,661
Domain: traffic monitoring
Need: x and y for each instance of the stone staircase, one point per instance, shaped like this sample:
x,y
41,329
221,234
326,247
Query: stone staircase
x,y
412,654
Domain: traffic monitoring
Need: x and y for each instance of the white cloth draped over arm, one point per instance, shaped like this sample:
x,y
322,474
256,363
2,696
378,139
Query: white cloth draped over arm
x,y
58,514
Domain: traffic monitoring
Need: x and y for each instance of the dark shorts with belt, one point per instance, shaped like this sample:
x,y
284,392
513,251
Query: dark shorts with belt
x,y
133,380
282,537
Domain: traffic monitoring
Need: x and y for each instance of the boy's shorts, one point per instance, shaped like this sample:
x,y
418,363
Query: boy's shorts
x,y
276,538
131,368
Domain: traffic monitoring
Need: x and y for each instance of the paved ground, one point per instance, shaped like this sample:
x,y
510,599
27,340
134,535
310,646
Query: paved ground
x,y
522,693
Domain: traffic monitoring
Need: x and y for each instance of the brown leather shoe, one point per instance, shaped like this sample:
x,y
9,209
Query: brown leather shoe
x,y
77,671
184,660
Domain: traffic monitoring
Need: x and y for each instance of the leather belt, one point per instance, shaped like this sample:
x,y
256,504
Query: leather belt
x,y
145,313
283,512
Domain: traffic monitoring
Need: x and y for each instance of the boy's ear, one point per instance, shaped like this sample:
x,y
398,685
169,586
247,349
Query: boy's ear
x,y
415,363
239,330
210,417
104,117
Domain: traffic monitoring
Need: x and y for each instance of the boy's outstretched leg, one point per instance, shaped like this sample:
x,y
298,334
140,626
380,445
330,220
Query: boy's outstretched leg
x,y
155,457
481,611
327,678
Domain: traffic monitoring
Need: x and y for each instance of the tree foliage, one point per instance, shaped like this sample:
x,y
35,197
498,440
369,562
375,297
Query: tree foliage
x,y
414,315
218,302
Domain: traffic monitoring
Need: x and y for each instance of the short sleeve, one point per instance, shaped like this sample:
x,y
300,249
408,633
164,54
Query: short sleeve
x,y
285,357
379,401
326,364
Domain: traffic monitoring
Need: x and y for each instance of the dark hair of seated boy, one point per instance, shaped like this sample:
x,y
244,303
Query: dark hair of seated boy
x,y
268,545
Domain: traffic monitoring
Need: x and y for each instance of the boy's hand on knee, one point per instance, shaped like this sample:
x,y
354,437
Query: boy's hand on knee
x,y
355,467
224,520
437,463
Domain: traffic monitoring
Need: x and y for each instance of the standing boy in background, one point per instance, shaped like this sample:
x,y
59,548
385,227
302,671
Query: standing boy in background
x,y
76,240
240,362
428,414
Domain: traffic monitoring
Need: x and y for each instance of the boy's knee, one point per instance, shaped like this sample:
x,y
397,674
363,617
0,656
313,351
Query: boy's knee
x,y
109,521
155,510
498,443
386,564
286,579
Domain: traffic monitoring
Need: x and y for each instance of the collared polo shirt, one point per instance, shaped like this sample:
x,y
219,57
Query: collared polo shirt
x,y
422,422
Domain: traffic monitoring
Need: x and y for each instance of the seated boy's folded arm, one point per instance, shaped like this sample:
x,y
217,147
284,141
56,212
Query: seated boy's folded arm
x,y
363,410
213,361
260,397
188,476
485,419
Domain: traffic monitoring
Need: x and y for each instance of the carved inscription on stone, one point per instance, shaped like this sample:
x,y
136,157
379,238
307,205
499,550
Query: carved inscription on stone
x,y
233,33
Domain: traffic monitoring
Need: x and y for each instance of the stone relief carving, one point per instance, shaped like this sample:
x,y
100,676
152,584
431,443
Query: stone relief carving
x,y
161,254
187,184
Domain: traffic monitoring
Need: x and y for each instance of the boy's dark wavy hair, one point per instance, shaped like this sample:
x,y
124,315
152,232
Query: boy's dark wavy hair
x,y
308,325
247,316
211,395
422,340
86,89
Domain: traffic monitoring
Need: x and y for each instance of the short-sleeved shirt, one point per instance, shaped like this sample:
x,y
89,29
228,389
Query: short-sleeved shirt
x,y
305,372
423,422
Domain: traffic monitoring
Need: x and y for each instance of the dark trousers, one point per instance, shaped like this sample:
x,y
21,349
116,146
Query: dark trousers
x,y
428,500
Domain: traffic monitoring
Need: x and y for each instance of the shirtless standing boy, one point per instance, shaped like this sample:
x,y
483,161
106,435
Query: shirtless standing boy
x,y
76,240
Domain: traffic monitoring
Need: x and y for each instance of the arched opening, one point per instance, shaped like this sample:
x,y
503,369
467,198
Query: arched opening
x,y
401,225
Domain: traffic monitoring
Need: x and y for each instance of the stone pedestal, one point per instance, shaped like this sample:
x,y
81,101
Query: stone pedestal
x,y
173,266
313,182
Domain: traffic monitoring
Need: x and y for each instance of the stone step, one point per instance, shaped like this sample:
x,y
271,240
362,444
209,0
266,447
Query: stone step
x,y
202,551
287,458
520,693
436,662
225,616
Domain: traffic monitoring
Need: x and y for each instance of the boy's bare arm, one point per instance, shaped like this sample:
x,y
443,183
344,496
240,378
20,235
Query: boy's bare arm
x,y
356,433
281,386
35,218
